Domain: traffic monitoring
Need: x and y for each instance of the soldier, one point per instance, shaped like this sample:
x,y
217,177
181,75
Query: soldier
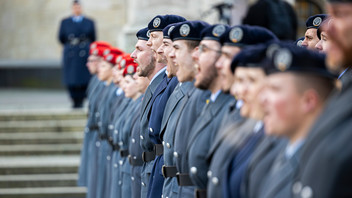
x,y
312,24
327,151
297,88
183,47
324,41
76,33
142,55
159,99
220,154
92,65
207,124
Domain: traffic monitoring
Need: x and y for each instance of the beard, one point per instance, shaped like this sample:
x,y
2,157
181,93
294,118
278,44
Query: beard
x,y
206,81
148,69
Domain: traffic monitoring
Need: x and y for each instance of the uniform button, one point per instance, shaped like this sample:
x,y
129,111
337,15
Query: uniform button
x,y
163,143
116,131
215,180
108,157
115,165
134,157
141,137
99,123
209,173
175,154
133,140
168,145
151,130
143,184
120,143
120,182
193,170
132,178
97,143
296,188
121,162
82,53
97,114
111,127
307,192
86,129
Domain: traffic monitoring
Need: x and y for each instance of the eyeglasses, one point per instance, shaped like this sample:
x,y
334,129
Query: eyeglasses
x,y
203,48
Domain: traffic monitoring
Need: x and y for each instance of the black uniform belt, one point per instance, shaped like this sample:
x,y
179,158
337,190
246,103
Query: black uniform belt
x,y
115,147
169,171
183,179
158,149
134,162
200,193
111,142
77,41
94,128
124,153
148,156
103,137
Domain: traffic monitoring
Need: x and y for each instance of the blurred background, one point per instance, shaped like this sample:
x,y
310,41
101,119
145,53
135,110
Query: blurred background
x,y
31,54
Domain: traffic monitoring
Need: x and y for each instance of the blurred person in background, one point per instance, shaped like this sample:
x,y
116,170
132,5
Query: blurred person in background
x,y
76,33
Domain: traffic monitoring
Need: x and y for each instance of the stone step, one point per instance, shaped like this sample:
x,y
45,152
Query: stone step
x,y
42,126
41,138
42,115
38,180
39,149
20,165
52,192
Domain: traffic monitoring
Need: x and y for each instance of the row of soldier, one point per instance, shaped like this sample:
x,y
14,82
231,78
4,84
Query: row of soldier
x,y
199,110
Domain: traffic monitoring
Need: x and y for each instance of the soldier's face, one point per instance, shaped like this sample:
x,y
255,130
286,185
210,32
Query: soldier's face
x,y
142,82
130,87
92,64
253,80
208,55
154,42
164,50
182,58
323,44
104,71
340,33
144,57
282,105
310,39
223,65
77,9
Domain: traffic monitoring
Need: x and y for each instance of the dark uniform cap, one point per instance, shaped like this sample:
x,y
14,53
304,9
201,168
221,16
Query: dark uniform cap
x,y
252,56
143,34
243,35
285,57
315,21
76,2
159,22
168,29
188,30
214,32
299,42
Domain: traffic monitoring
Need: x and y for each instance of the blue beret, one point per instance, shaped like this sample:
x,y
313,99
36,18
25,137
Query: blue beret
x,y
285,57
299,41
168,29
188,30
159,22
214,32
252,56
243,35
315,21
143,34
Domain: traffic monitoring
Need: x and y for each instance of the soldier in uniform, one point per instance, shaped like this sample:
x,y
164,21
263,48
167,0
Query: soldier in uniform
x,y
234,41
207,124
92,65
185,41
310,36
76,33
159,100
142,56
324,168
297,87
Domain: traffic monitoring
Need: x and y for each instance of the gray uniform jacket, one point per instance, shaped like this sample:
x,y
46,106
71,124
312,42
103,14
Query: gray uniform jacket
x,y
325,165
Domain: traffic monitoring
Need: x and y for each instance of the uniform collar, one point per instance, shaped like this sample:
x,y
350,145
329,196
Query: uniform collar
x,y
157,74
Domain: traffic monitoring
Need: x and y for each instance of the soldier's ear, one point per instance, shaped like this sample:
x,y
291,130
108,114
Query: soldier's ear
x,y
310,101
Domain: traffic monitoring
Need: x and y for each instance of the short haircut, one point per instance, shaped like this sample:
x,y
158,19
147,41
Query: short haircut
x,y
192,44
